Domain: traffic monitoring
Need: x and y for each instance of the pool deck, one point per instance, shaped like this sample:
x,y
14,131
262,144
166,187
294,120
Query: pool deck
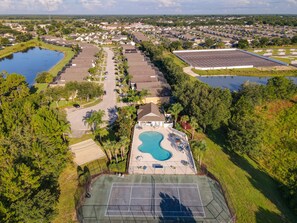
x,y
181,161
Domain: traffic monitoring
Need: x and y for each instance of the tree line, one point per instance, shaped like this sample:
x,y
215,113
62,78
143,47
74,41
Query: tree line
x,y
81,90
33,152
271,141
237,115
210,106
265,41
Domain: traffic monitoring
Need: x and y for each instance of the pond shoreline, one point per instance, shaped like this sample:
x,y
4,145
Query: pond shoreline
x,y
233,83
68,52
31,62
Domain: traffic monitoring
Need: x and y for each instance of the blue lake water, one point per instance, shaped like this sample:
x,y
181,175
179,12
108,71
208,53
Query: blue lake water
x,y
30,62
234,82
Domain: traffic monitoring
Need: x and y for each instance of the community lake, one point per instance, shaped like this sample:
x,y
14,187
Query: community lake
x,y
30,62
233,83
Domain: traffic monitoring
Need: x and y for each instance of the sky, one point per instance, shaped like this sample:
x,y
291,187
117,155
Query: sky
x,y
138,7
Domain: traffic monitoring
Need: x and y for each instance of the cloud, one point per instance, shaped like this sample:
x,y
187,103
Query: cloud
x,y
5,4
51,5
162,3
168,3
30,5
148,6
95,4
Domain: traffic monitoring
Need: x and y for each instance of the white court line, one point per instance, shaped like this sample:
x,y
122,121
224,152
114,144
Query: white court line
x,y
119,183
108,198
179,199
201,201
149,186
159,186
130,198
199,212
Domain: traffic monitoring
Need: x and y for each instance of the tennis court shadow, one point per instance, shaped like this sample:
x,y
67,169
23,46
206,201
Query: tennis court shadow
x,y
174,211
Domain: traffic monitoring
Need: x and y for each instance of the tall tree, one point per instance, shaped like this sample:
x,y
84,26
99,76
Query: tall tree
x,y
95,119
198,148
174,110
194,126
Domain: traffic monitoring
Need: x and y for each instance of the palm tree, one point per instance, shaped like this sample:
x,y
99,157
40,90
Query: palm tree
x,y
124,143
198,148
142,94
184,118
107,150
114,147
194,125
101,132
95,120
174,110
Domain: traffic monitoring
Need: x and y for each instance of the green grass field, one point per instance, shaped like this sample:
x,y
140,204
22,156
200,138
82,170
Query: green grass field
x,y
66,206
176,59
247,72
254,194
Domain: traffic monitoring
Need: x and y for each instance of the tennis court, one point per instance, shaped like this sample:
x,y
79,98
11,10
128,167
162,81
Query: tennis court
x,y
162,200
154,198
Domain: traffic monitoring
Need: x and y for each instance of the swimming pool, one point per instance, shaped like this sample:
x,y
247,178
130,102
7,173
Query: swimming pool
x,y
151,143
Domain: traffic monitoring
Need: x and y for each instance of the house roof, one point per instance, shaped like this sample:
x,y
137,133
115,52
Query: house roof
x,y
149,113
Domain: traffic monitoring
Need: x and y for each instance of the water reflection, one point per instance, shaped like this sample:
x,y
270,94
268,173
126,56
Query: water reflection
x,y
30,62
234,82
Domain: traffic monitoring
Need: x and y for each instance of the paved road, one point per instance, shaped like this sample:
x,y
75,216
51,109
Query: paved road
x,y
76,116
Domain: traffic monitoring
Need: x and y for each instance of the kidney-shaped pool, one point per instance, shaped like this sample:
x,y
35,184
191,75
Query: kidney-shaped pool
x,y
151,143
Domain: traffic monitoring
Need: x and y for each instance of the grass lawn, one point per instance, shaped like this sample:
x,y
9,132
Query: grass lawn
x,y
97,166
283,59
82,103
247,72
176,59
252,192
118,167
66,206
273,48
81,139
40,86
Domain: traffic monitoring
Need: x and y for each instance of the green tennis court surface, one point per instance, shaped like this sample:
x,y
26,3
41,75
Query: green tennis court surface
x,y
154,198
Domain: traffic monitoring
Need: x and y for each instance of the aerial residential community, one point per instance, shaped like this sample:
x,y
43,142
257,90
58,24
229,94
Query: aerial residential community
x,y
163,114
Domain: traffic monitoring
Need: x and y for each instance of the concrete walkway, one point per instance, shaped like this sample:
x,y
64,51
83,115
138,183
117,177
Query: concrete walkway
x,y
76,116
188,70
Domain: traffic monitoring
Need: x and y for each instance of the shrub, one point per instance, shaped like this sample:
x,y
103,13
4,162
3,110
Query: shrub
x,y
44,77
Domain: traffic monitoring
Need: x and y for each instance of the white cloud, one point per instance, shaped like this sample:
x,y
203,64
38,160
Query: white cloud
x,y
5,4
95,4
292,2
51,5
168,3
162,3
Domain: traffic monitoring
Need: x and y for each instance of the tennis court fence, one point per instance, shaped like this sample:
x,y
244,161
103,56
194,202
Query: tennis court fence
x,y
143,213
